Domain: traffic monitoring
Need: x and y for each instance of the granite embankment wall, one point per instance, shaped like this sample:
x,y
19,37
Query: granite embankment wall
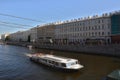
x,y
110,50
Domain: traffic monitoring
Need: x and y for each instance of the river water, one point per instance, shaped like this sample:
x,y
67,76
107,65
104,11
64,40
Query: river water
x,y
15,65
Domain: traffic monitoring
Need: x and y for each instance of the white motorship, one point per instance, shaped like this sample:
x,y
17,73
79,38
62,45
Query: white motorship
x,y
62,63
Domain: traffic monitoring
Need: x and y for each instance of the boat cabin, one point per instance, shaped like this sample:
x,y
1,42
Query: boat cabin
x,y
58,61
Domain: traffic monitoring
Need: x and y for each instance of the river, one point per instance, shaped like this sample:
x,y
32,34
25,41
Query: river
x,y
15,65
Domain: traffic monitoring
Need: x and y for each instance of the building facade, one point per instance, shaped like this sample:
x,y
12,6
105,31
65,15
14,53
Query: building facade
x,y
46,34
104,29
94,30
24,36
33,34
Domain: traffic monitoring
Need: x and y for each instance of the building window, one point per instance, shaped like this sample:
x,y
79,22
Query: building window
x,y
86,28
75,24
89,27
102,33
102,20
80,29
89,33
102,26
99,33
83,28
92,28
108,26
108,33
99,27
95,27
83,24
99,21
80,24
95,33
92,33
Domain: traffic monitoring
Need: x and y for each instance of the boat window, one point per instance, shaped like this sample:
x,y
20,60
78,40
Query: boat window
x,y
63,64
41,59
50,61
44,60
53,62
37,59
73,63
57,64
76,62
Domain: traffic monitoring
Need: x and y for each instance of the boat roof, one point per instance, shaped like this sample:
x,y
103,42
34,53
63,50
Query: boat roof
x,y
58,58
